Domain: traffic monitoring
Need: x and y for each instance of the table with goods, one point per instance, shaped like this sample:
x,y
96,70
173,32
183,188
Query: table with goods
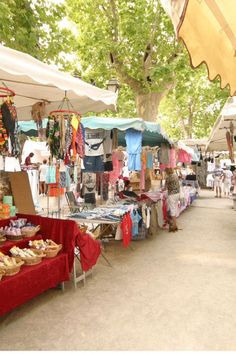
x,y
36,254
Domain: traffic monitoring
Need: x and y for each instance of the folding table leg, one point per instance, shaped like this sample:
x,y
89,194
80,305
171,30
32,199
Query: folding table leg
x,y
74,275
106,260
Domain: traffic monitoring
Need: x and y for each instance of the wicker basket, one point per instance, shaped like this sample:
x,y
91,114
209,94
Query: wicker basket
x,y
52,251
2,273
14,237
31,233
2,240
12,270
33,260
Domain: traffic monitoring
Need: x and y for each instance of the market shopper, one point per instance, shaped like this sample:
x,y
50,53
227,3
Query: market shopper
x,y
227,180
172,186
42,177
28,159
218,181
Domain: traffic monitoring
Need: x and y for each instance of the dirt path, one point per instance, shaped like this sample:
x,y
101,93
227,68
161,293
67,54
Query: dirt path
x,y
172,292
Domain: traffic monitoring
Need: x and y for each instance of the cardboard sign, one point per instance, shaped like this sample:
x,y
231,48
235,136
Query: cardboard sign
x,y
21,192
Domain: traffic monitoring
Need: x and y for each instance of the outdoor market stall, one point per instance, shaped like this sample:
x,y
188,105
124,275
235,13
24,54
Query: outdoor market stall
x,y
222,135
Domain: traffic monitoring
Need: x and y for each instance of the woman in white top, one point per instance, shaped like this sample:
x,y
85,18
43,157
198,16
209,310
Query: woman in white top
x,y
42,177
227,180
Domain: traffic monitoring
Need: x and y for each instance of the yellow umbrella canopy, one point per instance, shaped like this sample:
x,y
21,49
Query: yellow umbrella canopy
x,y
208,29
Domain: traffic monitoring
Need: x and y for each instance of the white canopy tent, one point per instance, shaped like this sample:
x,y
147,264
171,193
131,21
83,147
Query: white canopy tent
x,y
217,140
34,81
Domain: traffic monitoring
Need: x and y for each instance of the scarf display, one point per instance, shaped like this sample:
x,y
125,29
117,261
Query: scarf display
x,y
65,137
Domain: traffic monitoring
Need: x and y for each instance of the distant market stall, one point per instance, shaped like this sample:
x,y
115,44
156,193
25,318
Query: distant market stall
x,y
222,135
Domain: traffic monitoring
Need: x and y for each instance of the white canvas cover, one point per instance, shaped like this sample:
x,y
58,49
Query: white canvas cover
x,y
217,140
35,81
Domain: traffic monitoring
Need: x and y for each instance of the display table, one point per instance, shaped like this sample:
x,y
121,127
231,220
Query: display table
x,y
32,281
50,272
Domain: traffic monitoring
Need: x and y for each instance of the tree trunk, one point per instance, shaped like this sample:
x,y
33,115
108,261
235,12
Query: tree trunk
x,y
147,105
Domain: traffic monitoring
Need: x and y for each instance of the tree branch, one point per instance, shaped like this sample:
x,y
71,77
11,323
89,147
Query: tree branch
x,y
125,77
115,20
147,59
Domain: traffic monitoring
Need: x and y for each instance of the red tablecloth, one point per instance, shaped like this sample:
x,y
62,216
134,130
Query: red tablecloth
x,y
32,281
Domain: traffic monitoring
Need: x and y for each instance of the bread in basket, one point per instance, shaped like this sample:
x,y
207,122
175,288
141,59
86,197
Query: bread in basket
x,y
28,256
49,247
30,231
9,265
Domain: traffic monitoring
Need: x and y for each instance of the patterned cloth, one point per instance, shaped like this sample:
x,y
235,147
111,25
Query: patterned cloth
x,y
172,184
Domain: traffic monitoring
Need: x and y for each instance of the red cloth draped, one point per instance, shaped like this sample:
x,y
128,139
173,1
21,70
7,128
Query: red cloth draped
x,y
126,228
90,250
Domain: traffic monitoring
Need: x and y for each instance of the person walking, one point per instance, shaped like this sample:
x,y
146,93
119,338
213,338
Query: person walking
x,y
42,177
172,186
227,180
218,180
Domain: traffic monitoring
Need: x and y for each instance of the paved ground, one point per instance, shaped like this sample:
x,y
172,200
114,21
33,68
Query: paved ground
x,y
172,292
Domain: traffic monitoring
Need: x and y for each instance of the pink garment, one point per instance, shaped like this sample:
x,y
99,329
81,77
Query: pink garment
x,y
184,157
172,158
142,177
117,161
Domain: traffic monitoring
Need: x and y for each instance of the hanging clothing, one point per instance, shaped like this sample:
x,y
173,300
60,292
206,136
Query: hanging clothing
x,y
172,158
94,139
38,112
143,171
9,120
53,137
104,180
94,163
117,162
80,141
184,157
149,160
51,175
126,227
115,139
134,148
89,187
164,154
135,217
62,179
107,146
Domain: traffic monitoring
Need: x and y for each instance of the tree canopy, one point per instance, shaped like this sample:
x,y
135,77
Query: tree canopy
x,y
134,41
191,107
33,26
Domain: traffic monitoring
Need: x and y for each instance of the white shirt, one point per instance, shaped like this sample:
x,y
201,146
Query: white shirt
x,y
43,171
228,175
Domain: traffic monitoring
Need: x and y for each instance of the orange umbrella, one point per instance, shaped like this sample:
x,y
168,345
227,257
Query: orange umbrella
x,y
208,29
